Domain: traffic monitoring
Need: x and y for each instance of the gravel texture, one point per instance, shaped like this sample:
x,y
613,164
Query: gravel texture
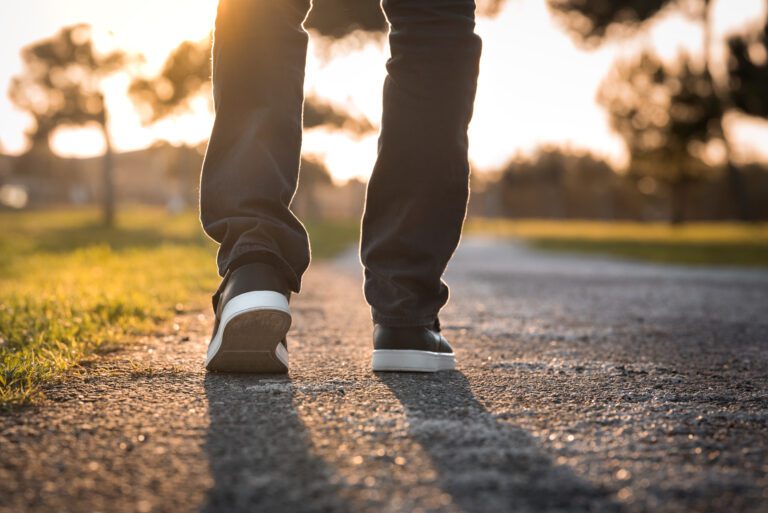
x,y
583,385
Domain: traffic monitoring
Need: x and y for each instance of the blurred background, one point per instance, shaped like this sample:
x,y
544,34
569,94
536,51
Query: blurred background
x,y
642,110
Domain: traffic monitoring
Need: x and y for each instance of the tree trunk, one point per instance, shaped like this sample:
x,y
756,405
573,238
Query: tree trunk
x,y
741,203
739,199
677,203
108,180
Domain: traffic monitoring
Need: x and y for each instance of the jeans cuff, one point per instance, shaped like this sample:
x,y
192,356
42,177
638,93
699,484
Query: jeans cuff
x,y
403,322
257,253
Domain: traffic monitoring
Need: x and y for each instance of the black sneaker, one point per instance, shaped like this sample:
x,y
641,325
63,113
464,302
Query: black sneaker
x,y
412,349
252,319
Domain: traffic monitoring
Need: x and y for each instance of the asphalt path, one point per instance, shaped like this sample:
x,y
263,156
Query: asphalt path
x,y
584,384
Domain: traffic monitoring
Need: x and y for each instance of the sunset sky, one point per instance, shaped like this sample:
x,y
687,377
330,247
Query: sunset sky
x,y
536,87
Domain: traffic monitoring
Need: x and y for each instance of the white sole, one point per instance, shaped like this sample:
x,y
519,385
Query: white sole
x,y
250,334
411,360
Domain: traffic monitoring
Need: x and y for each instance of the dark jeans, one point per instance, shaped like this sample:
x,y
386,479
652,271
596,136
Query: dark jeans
x,y
417,196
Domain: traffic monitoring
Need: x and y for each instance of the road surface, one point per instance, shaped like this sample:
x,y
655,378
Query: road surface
x,y
584,384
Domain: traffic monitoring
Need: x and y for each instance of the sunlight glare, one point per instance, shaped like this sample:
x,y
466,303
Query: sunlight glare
x,y
536,87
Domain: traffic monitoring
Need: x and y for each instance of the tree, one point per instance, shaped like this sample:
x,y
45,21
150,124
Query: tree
x,y
592,21
186,73
748,72
61,86
187,70
667,115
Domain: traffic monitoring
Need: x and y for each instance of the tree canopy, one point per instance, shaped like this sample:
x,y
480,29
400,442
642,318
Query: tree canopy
x,y
61,86
748,72
666,114
591,21
61,82
186,73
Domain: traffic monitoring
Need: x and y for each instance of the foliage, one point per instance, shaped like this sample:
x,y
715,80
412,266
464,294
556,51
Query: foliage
x,y
313,173
187,70
318,112
664,113
489,8
748,72
61,86
591,21
186,74
551,164
61,81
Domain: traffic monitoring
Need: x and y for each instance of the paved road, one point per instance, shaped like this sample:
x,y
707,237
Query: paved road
x,y
584,385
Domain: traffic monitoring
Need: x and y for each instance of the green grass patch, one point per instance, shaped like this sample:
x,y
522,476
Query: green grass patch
x,y
329,238
69,285
734,244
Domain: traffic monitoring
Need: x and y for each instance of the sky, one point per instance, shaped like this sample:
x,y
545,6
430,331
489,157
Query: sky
x,y
536,87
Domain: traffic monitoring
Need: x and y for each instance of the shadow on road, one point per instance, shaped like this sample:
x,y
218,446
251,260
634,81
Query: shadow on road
x,y
260,454
483,463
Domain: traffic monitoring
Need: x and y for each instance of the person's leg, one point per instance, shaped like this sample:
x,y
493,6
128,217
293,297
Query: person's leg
x,y
417,196
249,178
251,165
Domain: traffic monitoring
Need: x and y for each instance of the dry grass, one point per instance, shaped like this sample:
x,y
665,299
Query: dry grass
x,y
735,244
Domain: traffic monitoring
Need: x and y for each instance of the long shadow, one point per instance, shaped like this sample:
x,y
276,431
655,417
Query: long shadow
x,y
259,451
484,464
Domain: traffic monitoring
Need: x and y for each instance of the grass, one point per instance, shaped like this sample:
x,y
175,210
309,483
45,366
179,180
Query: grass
x,y
69,286
732,244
